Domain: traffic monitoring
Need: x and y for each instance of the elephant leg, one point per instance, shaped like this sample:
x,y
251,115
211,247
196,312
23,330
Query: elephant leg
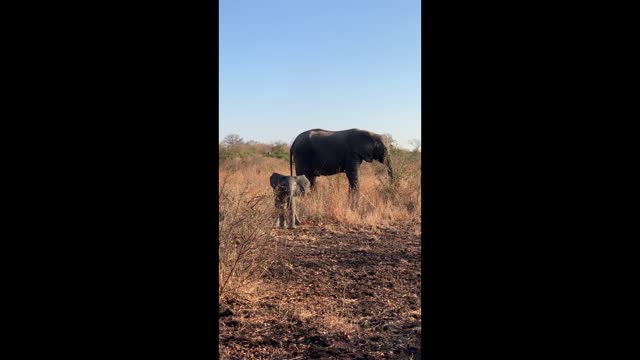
x,y
354,187
312,181
354,198
281,209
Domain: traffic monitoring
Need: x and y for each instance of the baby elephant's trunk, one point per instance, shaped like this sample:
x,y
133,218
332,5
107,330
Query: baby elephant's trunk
x,y
292,212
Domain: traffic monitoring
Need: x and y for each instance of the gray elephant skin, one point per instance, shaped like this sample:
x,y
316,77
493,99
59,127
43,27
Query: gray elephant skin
x,y
321,152
286,189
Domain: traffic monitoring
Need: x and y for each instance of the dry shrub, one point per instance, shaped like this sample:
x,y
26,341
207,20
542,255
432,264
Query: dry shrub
x,y
382,201
405,189
247,249
245,245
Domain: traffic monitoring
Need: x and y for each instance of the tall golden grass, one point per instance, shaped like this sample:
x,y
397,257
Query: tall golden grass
x,y
247,246
382,201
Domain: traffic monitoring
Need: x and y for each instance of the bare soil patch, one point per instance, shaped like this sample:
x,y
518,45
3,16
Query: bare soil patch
x,y
339,292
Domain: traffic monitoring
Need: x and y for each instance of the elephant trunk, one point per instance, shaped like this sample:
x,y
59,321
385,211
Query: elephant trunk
x,y
291,216
387,163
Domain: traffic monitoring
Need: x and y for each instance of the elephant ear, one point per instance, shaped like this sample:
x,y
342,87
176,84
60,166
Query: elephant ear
x,y
363,144
303,184
275,180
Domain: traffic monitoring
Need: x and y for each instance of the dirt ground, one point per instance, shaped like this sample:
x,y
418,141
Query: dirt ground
x,y
338,292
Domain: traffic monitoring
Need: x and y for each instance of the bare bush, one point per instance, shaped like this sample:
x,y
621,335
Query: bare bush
x,y
245,246
232,139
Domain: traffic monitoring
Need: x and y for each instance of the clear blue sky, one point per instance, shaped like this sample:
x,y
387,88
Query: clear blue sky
x,y
287,66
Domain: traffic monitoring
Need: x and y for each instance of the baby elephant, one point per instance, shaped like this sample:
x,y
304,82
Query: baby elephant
x,y
286,188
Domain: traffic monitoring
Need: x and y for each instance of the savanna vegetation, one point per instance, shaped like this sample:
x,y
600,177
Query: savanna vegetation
x,y
346,279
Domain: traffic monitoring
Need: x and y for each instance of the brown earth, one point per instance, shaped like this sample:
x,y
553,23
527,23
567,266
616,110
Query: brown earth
x,y
340,292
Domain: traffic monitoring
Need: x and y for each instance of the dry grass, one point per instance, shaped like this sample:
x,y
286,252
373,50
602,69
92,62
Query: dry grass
x,y
382,201
245,245
347,281
246,202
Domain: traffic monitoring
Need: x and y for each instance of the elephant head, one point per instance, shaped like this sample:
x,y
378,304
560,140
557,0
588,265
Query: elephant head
x,y
289,185
373,147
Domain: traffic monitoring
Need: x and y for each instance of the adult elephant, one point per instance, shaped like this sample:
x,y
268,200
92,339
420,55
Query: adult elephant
x,y
321,152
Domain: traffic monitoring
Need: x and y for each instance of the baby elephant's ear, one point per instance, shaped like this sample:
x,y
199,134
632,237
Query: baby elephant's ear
x,y
275,179
303,183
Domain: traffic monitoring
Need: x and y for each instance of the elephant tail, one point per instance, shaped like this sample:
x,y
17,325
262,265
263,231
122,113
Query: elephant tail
x,y
291,161
291,157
